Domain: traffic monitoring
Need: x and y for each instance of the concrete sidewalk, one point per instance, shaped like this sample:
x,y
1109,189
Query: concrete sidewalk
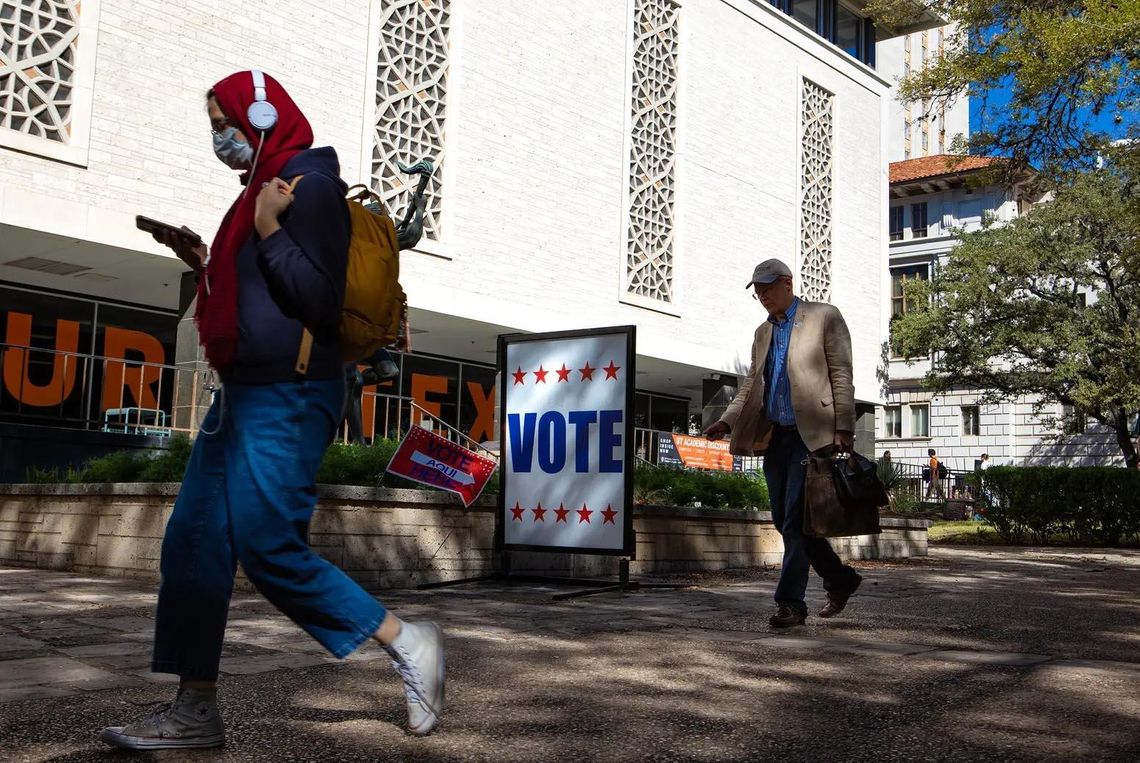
x,y
971,654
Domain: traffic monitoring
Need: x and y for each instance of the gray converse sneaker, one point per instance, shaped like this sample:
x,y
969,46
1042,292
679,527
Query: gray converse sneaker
x,y
191,720
417,655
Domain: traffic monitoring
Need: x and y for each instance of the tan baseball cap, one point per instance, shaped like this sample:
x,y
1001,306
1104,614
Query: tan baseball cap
x,y
768,271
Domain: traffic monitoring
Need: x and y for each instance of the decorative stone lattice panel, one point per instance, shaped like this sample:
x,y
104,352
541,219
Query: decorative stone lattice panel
x,y
817,151
649,246
411,99
38,44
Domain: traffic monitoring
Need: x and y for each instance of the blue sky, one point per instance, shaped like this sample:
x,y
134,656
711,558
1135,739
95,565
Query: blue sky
x,y
995,110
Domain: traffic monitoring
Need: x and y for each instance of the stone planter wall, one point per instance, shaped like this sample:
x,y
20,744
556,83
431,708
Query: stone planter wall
x,y
394,538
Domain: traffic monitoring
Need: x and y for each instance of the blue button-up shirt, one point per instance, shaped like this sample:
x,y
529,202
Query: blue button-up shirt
x,y
779,392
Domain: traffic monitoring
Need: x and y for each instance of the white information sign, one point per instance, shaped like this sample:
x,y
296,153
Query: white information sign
x,y
567,434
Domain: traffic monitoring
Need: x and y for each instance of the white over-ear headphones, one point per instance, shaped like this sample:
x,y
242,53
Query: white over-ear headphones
x,y
262,114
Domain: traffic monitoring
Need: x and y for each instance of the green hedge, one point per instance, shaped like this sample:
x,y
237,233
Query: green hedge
x,y
167,465
1087,505
364,465
665,486
342,465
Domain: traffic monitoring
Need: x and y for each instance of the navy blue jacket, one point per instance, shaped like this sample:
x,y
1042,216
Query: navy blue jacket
x,y
295,278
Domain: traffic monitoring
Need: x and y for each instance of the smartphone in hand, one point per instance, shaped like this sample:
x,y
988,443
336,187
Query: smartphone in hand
x,y
183,241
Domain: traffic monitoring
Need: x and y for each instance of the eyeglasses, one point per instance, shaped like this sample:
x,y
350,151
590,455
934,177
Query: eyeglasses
x,y
765,287
219,126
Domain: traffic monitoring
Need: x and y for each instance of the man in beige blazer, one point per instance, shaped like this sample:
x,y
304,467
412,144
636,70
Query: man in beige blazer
x,y
797,398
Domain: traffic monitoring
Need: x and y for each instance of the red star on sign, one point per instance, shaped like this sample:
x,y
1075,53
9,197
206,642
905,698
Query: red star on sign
x,y
520,376
518,511
584,515
539,513
540,375
611,370
608,515
587,372
561,513
563,373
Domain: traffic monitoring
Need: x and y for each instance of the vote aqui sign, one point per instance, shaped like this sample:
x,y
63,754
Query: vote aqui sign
x,y
566,467
429,459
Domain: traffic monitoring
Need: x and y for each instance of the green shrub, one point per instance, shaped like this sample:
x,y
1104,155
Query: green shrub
x,y
53,475
686,487
1087,505
362,465
167,465
905,502
120,466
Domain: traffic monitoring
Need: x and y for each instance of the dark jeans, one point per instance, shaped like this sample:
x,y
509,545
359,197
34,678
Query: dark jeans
x,y
248,495
784,472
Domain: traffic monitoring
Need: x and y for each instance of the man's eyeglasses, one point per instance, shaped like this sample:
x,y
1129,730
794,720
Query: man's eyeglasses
x,y
219,126
764,287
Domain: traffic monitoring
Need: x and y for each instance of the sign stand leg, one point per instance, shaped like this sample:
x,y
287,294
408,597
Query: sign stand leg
x,y
624,584
503,575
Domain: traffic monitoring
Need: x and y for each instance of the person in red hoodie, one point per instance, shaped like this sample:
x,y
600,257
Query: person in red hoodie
x,y
276,267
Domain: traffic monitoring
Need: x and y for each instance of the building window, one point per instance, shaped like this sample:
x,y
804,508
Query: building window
x,y
807,13
925,46
899,277
942,129
892,422
918,220
816,167
896,225
835,23
411,101
47,56
926,136
971,421
653,144
920,421
1072,421
847,29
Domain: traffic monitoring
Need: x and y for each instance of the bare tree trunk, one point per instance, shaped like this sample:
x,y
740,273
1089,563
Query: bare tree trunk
x,y
1124,438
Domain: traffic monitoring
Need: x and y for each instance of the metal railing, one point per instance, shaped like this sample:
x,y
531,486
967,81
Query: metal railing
x,y
911,480
114,395
96,392
391,416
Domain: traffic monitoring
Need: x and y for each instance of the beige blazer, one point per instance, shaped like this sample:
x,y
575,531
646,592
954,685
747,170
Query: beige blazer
x,y
819,372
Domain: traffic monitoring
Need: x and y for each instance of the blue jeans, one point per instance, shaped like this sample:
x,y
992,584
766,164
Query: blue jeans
x,y
247,496
784,472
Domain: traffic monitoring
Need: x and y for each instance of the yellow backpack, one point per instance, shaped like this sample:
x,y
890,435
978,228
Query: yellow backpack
x,y
374,302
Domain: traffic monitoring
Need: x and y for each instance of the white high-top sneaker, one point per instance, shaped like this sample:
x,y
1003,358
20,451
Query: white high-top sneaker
x,y
417,655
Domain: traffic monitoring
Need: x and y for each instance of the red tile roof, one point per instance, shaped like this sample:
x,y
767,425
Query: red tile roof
x,y
938,165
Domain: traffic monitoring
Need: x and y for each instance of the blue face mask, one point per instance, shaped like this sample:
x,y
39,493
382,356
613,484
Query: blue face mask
x,y
235,154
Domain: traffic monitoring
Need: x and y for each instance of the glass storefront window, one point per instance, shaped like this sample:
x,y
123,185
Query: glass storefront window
x,y
669,415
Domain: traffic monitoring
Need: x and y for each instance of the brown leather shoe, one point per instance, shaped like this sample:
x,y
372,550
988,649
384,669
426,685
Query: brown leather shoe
x,y
837,600
786,617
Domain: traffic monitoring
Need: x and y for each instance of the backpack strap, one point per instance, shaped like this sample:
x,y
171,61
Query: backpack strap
x,y
306,350
304,353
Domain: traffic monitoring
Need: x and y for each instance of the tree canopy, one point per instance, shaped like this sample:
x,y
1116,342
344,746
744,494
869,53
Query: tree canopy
x,y
1047,305
1071,69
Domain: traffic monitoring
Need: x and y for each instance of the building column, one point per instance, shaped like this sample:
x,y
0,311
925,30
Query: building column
x,y
190,399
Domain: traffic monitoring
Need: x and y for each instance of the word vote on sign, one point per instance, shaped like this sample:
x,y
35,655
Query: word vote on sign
x,y
567,440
